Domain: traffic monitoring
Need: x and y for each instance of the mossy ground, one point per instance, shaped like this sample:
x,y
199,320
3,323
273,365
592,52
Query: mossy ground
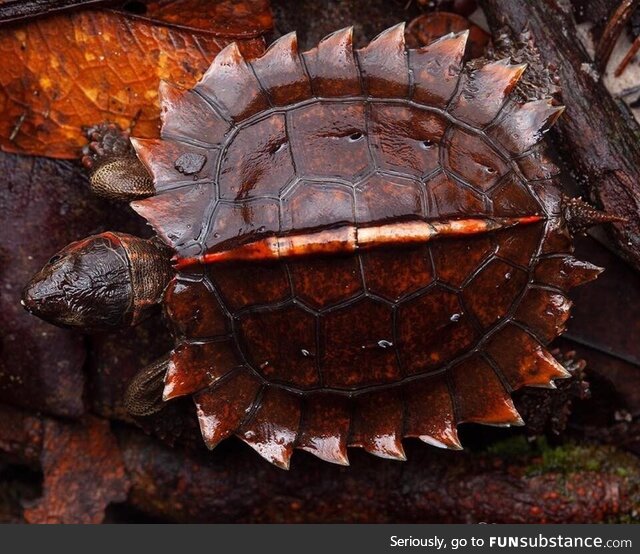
x,y
565,461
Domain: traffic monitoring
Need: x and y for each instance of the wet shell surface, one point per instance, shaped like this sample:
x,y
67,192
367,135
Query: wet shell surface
x,y
310,338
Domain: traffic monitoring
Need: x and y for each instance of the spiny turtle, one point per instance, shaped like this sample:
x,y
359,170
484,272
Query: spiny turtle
x,y
353,247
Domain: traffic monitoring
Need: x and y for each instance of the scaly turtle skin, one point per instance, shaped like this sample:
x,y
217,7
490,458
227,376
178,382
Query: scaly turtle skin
x,y
356,247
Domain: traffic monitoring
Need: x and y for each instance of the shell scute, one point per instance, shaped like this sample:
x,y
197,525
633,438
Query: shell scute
x,y
537,165
436,69
231,85
224,406
384,64
321,284
281,72
378,424
312,204
359,347
455,260
556,239
405,138
449,197
257,163
325,427
473,160
182,113
523,360
518,246
273,428
565,272
523,125
392,277
281,345
493,291
481,395
430,343
511,198
332,66
194,366
544,312
269,285
329,139
483,92
194,311
161,158
389,197
170,223
430,413
237,222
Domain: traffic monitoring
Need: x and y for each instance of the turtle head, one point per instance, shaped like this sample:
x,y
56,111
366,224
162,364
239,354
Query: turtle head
x,y
104,281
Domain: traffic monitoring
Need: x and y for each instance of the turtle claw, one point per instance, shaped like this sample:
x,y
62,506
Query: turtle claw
x,y
106,142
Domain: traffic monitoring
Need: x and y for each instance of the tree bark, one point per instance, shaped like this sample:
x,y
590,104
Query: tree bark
x,y
86,466
598,136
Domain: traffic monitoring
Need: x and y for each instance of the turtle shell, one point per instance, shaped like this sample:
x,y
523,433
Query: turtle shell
x,y
326,351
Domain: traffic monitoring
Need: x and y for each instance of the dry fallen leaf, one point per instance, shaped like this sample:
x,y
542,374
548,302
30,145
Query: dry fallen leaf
x,y
61,74
429,26
227,18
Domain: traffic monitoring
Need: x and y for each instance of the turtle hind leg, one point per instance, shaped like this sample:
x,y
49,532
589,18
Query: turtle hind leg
x,y
115,170
144,393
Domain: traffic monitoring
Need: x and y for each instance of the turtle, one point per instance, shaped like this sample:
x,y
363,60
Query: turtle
x,y
352,247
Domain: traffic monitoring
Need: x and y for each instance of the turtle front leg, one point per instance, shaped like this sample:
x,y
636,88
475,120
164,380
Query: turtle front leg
x,y
115,170
144,393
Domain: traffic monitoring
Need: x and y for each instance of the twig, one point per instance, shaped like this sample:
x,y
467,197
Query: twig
x,y
595,135
612,31
628,57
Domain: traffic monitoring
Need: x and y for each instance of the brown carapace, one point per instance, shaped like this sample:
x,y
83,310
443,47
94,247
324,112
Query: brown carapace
x,y
368,245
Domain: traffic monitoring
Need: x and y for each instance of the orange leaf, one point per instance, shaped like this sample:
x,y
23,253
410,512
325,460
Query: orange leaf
x,y
226,18
62,74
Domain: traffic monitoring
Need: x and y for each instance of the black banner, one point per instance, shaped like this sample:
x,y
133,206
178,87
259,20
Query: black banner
x,y
326,539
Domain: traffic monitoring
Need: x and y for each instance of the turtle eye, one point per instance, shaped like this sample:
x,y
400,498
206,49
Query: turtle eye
x,y
54,259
